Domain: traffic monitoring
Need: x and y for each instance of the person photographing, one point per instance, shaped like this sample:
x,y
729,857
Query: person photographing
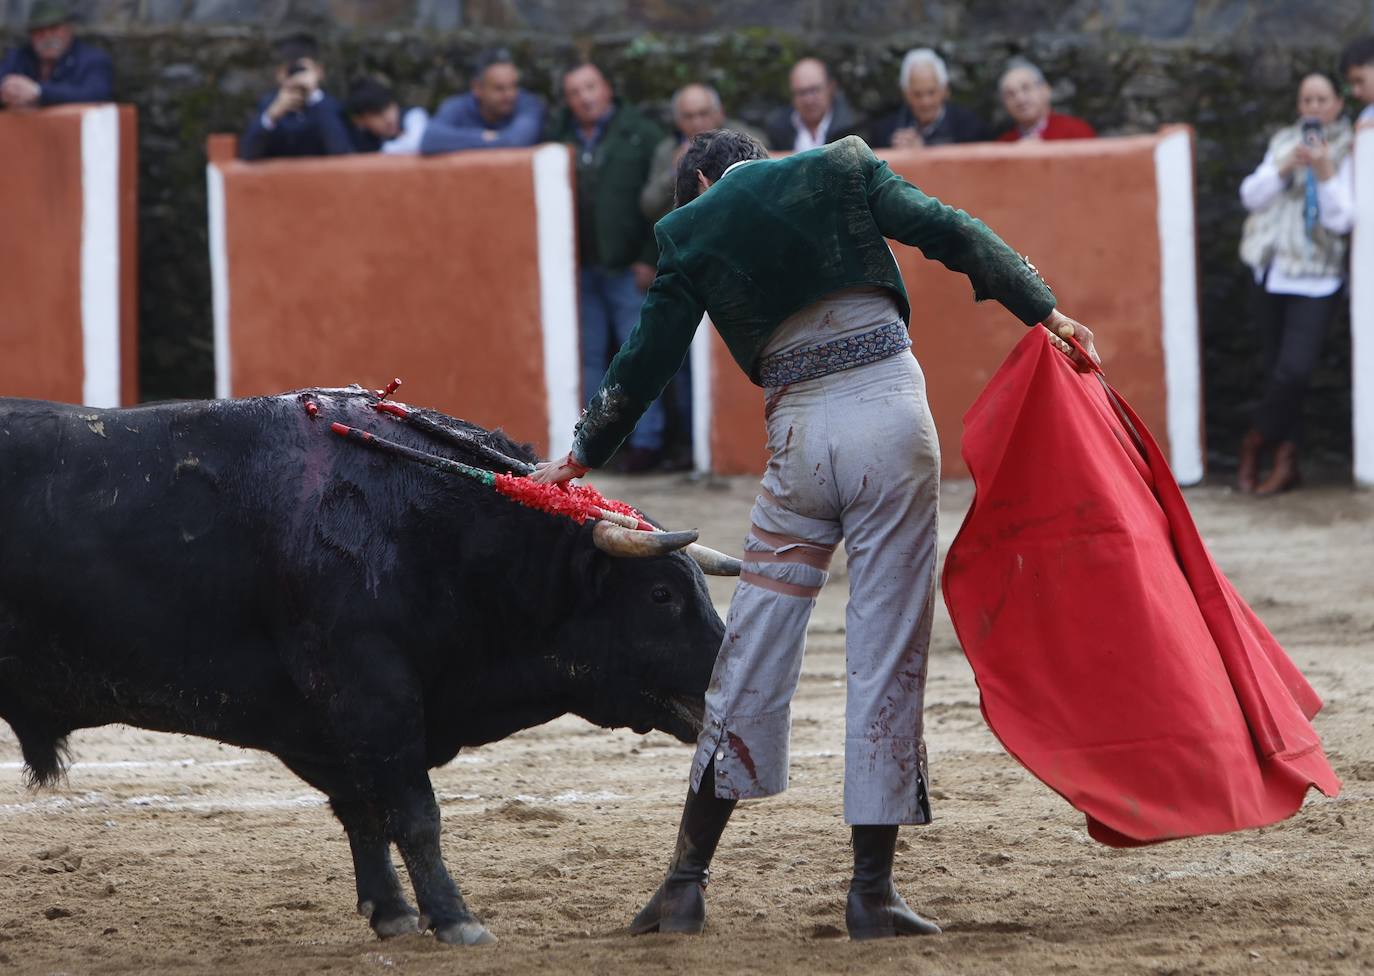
x,y
299,118
1301,200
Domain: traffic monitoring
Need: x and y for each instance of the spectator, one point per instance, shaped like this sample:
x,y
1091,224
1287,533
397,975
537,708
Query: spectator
x,y
376,123
819,112
696,109
1301,203
1357,65
928,118
1026,97
54,68
613,145
497,113
298,119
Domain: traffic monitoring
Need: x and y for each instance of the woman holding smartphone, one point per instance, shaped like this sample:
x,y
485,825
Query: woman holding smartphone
x,y
1301,204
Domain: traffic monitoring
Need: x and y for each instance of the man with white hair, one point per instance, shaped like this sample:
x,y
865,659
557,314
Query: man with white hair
x,y
1026,97
928,117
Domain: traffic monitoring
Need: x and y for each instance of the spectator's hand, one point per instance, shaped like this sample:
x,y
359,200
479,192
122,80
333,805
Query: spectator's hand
x,y
1062,327
557,472
644,275
18,91
290,98
1294,160
907,139
1319,158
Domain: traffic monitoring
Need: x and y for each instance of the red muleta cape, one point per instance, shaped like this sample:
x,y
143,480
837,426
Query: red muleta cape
x,y
1114,659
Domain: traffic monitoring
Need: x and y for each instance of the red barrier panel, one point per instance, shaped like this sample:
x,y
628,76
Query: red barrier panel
x,y
1109,223
455,273
68,254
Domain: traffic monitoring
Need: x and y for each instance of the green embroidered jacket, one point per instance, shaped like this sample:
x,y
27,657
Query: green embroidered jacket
x,y
773,236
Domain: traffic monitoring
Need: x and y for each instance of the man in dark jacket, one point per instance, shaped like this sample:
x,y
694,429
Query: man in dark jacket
x,y
928,117
613,146
819,112
376,122
298,119
54,68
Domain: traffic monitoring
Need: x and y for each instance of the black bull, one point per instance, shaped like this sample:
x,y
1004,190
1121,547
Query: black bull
x,y
233,570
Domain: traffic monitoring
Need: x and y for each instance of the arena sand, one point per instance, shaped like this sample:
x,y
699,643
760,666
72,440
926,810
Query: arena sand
x,y
171,854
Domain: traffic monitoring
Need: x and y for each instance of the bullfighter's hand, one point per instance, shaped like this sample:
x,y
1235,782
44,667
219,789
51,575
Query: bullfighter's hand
x,y
1062,327
564,469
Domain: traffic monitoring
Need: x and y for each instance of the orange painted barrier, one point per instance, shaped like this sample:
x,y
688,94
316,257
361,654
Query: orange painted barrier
x,y
68,254
455,273
1110,225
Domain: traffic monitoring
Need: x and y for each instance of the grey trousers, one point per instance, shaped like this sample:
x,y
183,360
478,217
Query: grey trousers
x,y
854,456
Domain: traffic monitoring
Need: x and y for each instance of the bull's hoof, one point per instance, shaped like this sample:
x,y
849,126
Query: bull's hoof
x,y
391,920
468,933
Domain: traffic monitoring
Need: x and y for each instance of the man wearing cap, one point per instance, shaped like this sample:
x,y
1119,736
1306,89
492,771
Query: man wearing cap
x,y
54,68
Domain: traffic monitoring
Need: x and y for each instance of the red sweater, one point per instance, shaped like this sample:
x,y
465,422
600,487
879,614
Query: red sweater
x,y
1056,127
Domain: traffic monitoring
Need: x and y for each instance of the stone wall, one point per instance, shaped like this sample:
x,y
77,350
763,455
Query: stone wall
x,y
197,66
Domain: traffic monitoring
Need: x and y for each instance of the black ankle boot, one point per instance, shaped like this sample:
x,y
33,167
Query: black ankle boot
x,y
874,909
679,904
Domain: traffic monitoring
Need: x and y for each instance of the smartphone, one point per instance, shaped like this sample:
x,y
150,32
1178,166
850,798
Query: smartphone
x,y
1312,132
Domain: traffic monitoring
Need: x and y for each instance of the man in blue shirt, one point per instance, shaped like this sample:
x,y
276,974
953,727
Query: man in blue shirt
x,y
497,113
298,119
54,68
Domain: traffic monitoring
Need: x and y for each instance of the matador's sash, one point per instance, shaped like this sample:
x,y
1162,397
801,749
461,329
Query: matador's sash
x,y
1114,659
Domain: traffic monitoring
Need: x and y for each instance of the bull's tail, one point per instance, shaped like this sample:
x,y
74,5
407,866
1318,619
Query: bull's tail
x,y
45,753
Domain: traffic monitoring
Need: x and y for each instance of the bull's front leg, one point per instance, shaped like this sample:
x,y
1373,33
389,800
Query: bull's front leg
x,y
413,823
380,899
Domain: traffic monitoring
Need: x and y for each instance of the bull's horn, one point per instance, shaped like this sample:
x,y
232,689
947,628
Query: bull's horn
x,y
713,562
616,540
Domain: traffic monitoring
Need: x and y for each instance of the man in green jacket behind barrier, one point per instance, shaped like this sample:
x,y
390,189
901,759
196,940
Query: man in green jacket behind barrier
x,y
789,258
613,149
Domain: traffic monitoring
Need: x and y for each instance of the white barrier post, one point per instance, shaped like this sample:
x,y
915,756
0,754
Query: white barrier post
x,y
1362,313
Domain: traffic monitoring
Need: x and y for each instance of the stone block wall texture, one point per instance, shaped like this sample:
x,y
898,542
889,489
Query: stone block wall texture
x,y
1229,68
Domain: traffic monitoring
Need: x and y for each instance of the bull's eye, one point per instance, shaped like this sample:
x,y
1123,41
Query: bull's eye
x,y
662,594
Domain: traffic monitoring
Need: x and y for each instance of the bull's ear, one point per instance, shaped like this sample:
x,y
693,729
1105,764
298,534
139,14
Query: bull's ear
x,y
590,567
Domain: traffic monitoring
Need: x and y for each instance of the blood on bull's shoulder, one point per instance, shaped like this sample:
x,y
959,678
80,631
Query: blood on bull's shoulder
x,y
231,569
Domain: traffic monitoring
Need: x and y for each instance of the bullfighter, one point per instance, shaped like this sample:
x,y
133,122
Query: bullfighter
x,y
789,259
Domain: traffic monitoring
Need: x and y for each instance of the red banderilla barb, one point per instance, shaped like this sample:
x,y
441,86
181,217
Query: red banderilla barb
x,y
389,389
395,409
312,409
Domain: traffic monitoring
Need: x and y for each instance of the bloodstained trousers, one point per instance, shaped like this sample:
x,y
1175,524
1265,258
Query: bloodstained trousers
x,y
854,455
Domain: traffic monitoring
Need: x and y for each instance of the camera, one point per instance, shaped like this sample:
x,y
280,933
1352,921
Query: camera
x,y
1312,132
296,67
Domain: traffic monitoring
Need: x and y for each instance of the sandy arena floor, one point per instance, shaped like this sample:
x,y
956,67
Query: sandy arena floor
x,y
170,854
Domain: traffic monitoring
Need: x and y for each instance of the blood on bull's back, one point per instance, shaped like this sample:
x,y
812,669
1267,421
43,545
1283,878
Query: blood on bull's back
x,y
231,569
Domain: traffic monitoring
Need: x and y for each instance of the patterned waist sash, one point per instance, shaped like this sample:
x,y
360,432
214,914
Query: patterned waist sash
x,y
831,357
